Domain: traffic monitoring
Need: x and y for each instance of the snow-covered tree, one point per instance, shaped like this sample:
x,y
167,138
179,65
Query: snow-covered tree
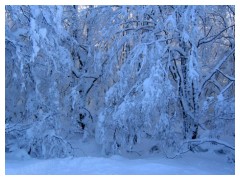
x,y
167,37
40,60
138,79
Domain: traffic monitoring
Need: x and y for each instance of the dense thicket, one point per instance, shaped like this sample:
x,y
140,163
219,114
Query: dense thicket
x,y
137,79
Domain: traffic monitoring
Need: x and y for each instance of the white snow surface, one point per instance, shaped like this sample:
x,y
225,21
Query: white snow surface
x,y
190,163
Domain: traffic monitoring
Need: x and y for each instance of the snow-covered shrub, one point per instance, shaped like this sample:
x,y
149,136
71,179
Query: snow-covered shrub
x,y
39,140
15,136
44,142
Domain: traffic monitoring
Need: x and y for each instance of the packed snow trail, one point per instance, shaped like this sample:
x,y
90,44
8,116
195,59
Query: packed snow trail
x,y
202,163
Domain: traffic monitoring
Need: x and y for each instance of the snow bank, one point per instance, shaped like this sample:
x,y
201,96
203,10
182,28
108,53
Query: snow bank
x,y
206,163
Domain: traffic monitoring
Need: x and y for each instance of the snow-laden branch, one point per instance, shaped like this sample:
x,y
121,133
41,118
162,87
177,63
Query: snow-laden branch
x,y
209,76
137,21
201,141
204,41
148,27
229,85
95,79
17,127
209,31
233,11
179,50
227,76
198,142
80,75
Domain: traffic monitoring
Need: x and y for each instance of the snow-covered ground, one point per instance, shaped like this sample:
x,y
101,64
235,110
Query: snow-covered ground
x,y
190,163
